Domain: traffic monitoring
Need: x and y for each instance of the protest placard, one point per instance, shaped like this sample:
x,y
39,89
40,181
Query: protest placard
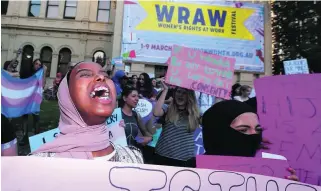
x,y
37,140
199,71
267,167
155,137
116,133
144,107
198,139
291,117
117,61
70,174
299,66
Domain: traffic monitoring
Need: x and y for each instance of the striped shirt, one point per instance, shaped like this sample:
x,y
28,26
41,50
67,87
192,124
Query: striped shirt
x,y
176,142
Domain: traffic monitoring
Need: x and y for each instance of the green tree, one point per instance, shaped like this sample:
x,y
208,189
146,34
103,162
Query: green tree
x,y
296,27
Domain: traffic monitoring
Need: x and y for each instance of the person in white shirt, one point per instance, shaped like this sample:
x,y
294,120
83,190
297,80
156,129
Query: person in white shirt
x,y
204,101
245,92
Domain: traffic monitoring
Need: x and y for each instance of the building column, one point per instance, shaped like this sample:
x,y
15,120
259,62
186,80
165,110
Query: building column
x,y
11,48
82,47
43,9
61,9
246,79
13,8
54,65
267,40
84,14
36,55
118,28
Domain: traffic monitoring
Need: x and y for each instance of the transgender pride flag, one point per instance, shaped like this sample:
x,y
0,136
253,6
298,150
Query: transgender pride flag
x,y
20,96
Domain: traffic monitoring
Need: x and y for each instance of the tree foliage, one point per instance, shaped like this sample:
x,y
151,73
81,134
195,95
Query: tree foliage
x,y
296,33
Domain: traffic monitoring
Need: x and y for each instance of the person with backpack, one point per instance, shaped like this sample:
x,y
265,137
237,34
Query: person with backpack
x,y
136,132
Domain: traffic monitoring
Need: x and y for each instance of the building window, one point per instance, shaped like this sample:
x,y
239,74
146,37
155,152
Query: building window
x,y
103,11
70,9
99,57
26,61
34,8
52,9
64,59
4,7
46,57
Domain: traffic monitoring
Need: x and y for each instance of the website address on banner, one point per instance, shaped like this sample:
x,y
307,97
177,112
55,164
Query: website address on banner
x,y
161,47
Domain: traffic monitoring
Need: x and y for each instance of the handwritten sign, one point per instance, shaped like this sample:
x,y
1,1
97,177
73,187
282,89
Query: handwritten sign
x,y
299,66
115,117
116,133
144,107
117,61
198,138
267,167
48,174
291,117
199,71
37,140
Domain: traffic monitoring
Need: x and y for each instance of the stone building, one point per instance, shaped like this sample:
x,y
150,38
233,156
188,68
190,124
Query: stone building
x,y
57,32
66,31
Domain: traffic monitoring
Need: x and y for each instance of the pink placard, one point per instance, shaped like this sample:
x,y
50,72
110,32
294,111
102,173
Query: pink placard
x,y
53,174
267,167
290,112
199,71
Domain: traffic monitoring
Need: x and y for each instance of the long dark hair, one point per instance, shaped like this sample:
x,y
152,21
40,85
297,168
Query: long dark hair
x,y
126,91
234,88
33,63
147,89
6,65
29,71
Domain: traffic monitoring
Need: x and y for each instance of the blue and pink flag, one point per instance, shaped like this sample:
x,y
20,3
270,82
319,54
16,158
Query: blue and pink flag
x,y
20,96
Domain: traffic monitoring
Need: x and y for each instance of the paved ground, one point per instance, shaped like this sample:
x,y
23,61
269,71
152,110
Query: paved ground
x,y
49,117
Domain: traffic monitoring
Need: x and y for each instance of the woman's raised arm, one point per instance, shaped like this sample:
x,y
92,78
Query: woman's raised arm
x,y
158,110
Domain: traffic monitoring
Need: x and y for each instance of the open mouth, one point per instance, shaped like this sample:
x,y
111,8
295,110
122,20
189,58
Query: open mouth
x,y
180,99
100,92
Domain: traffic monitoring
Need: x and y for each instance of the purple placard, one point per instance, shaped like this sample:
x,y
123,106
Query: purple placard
x,y
290,113
267,167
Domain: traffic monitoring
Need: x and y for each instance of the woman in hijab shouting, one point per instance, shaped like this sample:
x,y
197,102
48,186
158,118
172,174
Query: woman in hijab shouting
x,y
231,128
86,98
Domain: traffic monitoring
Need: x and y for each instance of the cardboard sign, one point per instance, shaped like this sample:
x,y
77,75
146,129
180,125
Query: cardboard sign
x,y
155,138
144,107
37,140
117,61
70,174
202,72
299,66
267,167
115,118
198,138
116,133
291,117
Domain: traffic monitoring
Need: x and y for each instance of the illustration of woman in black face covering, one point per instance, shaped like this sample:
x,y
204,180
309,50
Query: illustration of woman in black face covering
x,y
231,128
